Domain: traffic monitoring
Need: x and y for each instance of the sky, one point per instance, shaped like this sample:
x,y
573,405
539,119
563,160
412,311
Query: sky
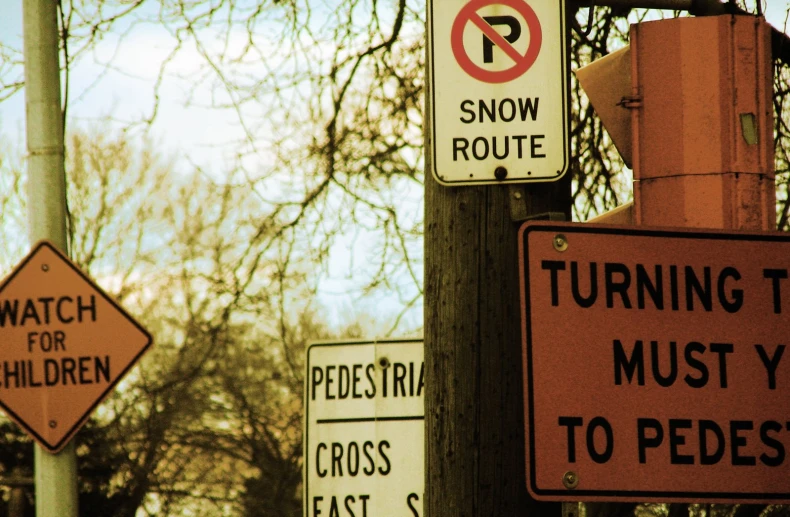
x,y
127,96
776,14
193,133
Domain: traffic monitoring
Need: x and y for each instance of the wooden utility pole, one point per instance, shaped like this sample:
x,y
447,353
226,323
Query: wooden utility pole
x,y
474,409
55,474
474,398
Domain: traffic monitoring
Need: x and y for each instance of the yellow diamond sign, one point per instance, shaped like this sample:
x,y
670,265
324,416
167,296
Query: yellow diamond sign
x,y
64,345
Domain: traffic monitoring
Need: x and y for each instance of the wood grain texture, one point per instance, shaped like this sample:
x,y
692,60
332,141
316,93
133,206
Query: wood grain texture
x,y
474,391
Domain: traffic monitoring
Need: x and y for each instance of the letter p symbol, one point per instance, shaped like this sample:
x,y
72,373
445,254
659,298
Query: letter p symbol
x,y
515,33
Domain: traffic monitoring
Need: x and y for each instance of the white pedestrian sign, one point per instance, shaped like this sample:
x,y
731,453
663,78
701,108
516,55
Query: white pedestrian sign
x,y
364,429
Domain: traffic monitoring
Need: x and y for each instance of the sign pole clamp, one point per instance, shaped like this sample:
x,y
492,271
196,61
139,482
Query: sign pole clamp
x,y
519,211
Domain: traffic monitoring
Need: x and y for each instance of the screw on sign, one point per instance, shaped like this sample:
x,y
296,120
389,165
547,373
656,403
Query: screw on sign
x,y
491,37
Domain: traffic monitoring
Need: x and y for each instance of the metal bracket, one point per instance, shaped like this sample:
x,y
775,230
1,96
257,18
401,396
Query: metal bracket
x,y
631,102
570,510
547,216
518,207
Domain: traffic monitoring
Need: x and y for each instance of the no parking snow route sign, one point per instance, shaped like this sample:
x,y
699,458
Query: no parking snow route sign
x,y
499,98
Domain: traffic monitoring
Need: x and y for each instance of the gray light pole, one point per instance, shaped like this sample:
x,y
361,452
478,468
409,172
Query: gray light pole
x,y
55,474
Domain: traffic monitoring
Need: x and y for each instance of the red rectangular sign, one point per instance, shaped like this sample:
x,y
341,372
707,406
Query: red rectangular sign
x,y
655,364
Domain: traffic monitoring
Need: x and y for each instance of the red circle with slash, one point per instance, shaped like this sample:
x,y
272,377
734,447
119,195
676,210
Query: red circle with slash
x,y
523,62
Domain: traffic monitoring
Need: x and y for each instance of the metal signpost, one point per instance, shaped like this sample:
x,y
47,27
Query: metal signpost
x,y
655,363
66,344
499,107
364,429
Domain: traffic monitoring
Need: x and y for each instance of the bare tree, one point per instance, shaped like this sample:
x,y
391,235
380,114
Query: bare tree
x,y
210,420
328,100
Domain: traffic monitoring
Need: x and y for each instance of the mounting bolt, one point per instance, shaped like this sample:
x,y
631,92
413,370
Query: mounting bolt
x,y
53,424
570,480
384,362
517,194
44,267
500,173
560,242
